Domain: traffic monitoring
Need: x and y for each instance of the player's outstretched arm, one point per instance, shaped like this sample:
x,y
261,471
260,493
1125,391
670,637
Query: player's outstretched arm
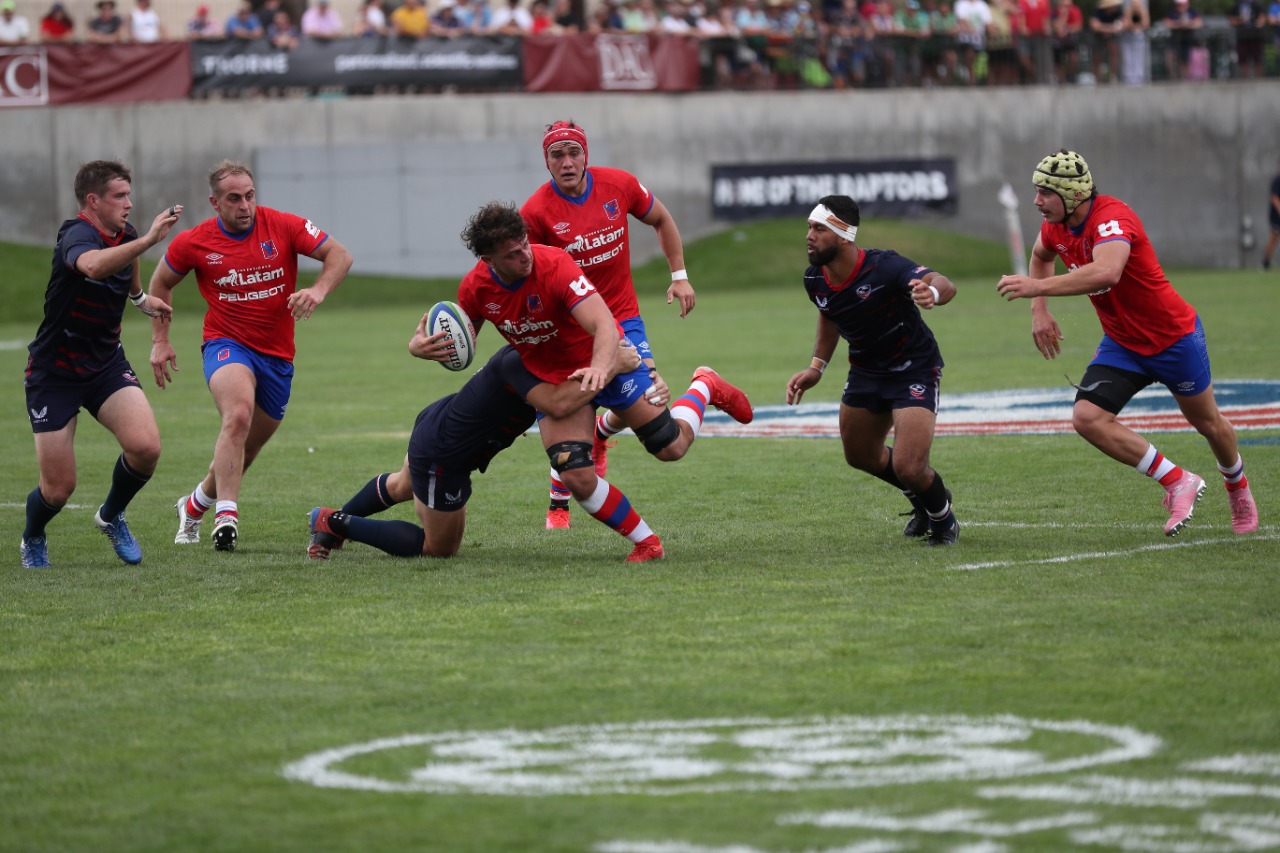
x,y
661,221
163,357
336,263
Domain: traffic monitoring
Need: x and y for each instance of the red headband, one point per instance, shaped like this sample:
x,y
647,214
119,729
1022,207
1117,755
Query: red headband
x,y
562,131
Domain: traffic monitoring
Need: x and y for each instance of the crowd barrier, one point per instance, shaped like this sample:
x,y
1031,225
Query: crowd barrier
x,y
37,75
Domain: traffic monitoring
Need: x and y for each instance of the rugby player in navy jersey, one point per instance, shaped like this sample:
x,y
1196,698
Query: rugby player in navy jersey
x,y
451,438
76,360
872,298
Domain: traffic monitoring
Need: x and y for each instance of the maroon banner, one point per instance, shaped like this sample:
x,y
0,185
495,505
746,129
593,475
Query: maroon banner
x,y
47,75
596,63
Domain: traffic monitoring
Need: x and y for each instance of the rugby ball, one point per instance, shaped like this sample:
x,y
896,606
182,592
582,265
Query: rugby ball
x,y
448,317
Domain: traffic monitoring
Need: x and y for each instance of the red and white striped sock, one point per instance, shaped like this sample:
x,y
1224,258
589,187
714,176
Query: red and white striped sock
x,y
1155,466
692,405
609,506
1234,476
198,503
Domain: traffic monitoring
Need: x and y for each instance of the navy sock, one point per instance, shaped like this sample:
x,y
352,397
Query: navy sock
x,y
935,498
39,513
891,478
370,500
125,483
397,538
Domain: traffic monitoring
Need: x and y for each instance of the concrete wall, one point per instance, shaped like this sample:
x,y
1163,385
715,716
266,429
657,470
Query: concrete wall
x,y
1193,160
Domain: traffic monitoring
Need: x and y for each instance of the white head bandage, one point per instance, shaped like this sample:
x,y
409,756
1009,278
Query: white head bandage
x,y
823,216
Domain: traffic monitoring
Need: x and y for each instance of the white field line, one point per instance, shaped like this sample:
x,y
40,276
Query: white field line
x,y
1106,555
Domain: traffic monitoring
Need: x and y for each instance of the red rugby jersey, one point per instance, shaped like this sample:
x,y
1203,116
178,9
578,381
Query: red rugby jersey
x,y
594,229
1142,311
247,278
535,313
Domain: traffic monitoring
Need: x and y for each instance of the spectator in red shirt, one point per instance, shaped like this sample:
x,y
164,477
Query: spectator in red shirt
x,y
57,25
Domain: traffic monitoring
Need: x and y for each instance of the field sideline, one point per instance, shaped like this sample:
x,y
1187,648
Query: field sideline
x,y
794,677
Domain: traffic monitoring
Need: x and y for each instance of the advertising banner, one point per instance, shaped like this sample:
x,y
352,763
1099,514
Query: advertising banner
x,y
44,75
880,187
474,62
609,63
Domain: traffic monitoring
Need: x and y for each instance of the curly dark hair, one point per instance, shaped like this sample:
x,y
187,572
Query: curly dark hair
x,y
93,177
492,226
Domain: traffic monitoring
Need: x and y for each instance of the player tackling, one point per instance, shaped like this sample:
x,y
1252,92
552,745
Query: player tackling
x,y
1150,334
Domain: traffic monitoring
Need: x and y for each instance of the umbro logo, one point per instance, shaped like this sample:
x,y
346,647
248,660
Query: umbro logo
x,y
561,227
213,257
492,308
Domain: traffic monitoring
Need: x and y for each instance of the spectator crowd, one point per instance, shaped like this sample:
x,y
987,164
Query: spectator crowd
x,y
765,44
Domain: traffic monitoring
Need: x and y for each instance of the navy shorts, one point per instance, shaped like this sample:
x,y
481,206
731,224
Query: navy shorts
x,y
53,400
446,490
877,392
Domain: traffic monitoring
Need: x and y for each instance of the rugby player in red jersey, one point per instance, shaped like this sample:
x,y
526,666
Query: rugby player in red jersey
x,y
1150,334
547,308
587,212
245,261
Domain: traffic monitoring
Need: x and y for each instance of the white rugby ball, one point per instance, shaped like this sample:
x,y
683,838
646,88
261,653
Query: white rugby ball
x,y
448,317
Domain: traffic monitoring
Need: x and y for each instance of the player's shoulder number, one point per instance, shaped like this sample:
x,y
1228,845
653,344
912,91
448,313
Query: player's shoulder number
x,y
581,286
1111,228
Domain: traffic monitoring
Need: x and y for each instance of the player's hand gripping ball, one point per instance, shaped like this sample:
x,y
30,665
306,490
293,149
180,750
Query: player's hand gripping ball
x,y
448,317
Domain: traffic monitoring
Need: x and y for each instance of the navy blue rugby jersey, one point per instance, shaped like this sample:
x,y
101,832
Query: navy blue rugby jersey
x,y
875,313
466,429
80,333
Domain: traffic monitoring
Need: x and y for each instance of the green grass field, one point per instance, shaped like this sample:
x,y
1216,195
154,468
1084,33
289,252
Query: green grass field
x,y
793,677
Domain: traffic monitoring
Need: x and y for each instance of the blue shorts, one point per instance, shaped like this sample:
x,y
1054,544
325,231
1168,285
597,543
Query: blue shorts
x,y
1183,368
626,388
53,400
634,330
273,376
885,392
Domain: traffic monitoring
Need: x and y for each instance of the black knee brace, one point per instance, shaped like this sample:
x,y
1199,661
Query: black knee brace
x,y
568,455
659,433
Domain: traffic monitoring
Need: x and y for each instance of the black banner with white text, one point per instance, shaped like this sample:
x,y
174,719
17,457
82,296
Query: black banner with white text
x,y
480,62
881,187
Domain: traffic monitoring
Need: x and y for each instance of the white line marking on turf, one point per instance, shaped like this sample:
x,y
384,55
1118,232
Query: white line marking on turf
x,y
1175,793
12,345
670,757
1247,765
1106,555
874,846
24,506
969,821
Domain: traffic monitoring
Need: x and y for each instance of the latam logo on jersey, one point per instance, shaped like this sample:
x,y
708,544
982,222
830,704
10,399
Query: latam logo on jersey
x,y
527,331
584,244
235,278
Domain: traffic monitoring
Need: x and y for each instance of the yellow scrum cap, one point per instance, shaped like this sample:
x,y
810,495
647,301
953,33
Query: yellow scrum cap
x,y
1066,173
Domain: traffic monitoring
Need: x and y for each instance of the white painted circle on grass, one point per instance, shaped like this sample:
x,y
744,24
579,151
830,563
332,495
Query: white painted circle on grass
x,y
716,756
